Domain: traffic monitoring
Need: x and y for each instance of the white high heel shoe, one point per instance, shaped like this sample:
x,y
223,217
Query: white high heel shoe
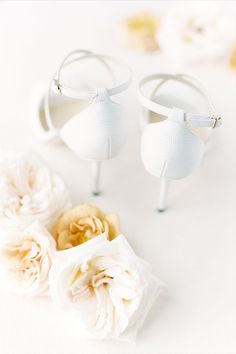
x,y
87,120
177,119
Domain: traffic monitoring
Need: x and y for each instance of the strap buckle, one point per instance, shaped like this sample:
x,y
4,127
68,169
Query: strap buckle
x,y
216,121
57,84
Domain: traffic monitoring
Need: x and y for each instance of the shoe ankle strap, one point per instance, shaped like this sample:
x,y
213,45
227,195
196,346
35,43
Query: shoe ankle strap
x,y
210,121
70,92
104,59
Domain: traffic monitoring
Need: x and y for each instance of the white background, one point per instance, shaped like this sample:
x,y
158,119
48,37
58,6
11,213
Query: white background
x,y
192,246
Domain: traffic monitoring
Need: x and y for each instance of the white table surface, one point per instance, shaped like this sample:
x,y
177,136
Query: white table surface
x,y
192,246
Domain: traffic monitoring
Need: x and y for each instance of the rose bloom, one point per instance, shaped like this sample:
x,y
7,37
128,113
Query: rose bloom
x,y
139,31
196,31
29,191
81,224
108,286
232,61
26,258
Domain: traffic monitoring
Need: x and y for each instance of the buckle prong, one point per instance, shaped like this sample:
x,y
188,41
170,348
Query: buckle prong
x,y
216,120
57,84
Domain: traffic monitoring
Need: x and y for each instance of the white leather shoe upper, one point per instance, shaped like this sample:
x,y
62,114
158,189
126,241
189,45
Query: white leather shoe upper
x,y
172,147
98,130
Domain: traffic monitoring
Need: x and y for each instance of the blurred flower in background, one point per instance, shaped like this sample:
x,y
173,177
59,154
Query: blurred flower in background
x,y
139,32
189,32
196,31
232,61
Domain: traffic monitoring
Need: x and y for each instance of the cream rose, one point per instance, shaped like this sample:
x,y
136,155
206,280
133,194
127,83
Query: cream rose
x,y
196,31
26,258
81,224
29,191
110,287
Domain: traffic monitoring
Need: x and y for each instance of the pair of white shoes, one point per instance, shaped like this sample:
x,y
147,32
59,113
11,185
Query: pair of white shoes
x,y
177,118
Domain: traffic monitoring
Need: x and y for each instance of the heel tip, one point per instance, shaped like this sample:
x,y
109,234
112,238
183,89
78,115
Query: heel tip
x,y
161,210
96,193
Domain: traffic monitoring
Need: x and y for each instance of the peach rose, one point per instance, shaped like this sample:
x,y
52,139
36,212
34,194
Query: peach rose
x,y
139,31
83,223
232,61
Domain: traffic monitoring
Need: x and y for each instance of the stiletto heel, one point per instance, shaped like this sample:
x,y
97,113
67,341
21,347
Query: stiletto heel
x,y
179,118
164,187
96,174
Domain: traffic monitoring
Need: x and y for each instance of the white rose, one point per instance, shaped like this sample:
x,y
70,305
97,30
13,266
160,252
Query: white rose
x,y
29,191
195,31
107,284
25,259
